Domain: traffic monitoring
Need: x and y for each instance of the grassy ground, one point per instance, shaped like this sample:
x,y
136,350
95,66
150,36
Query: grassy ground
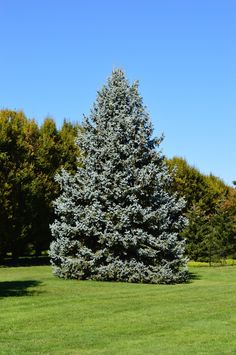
x,y
40,314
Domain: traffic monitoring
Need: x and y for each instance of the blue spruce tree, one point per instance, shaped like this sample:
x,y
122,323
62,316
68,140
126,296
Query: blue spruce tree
x,y
115,217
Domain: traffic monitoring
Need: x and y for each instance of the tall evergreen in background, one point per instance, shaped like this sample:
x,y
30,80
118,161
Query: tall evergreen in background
x,y
115,218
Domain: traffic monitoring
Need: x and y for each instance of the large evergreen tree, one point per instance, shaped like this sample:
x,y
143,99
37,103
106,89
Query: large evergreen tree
x,y
115,218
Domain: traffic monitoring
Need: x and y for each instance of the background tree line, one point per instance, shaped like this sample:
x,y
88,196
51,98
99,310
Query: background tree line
x,y
211,210
31,155
29,158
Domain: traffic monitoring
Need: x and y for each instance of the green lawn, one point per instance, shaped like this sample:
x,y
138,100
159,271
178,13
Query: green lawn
x,y
40,314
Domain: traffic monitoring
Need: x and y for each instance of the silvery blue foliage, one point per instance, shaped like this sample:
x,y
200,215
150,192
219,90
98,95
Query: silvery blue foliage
x,y
115,218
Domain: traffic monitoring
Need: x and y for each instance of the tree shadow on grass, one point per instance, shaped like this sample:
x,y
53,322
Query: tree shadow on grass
x,y
192,276
18,288
25,261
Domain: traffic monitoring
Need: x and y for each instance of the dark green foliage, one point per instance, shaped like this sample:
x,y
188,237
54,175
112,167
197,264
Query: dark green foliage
x,y
56,149
29,158
211,207
197,188
17,154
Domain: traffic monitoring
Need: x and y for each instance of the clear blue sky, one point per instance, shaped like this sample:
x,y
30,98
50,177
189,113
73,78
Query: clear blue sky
x,y
56,54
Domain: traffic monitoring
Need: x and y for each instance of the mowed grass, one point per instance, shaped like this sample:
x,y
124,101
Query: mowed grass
x,y
41,314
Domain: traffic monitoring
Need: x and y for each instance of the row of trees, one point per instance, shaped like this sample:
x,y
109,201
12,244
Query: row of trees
x,y
30,156
211,211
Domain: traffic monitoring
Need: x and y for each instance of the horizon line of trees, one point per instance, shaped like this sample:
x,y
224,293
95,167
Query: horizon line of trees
x,y
31,155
